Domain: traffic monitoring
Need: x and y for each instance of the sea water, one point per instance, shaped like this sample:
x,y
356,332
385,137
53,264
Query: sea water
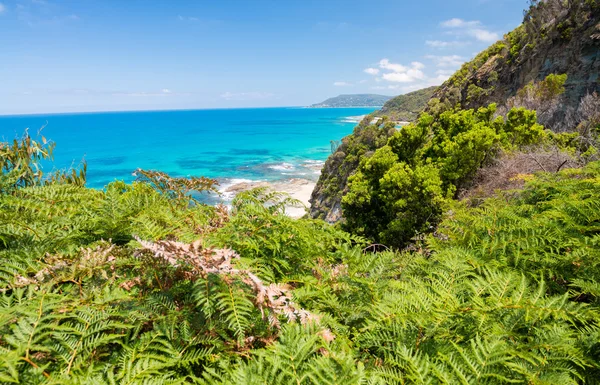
x,y
231,145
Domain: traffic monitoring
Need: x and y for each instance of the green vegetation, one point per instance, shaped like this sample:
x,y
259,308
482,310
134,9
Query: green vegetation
x,y
142,284
369,135
399,192
408,106
357,100
546,90
546,64
136,284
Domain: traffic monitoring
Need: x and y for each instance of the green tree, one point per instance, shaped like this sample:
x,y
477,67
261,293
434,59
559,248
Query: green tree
x,y
400,191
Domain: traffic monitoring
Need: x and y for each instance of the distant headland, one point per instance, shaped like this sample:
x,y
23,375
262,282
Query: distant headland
x,y
353,100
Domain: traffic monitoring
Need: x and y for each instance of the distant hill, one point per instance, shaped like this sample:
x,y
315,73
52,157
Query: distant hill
x,y
357,100
408,106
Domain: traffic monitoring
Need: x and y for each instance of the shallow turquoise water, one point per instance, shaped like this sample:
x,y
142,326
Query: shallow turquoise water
x,y
227,144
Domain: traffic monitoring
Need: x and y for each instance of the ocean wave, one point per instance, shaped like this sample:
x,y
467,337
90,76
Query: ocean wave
x,y
314,165
226,184
353,119
311,162
282,166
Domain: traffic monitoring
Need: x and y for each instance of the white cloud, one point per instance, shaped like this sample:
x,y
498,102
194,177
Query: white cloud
x,y
406,88
447,61
406,78
341,84
484,35
399,77
444,72
401,73
459,23
246,95
163,92
469,28
385,64
371,71
2,8
444,44
417,65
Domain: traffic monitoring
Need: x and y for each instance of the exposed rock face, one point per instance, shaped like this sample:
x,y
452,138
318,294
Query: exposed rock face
x,y
568,44
325,201
557,37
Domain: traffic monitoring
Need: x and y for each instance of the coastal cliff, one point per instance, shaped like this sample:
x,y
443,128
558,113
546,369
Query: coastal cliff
x,y
554,38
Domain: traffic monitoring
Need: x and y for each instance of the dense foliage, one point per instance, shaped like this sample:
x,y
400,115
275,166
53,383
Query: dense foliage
x,y
142,284
135,284
369,135
399,192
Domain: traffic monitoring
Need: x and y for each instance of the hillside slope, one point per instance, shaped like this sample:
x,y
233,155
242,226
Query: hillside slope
x,y
353,100
408,106
555,38
331,187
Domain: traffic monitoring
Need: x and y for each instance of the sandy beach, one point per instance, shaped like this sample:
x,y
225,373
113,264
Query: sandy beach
x,y
299,189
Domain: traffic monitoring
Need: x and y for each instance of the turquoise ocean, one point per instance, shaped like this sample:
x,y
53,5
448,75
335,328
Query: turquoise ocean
x,y
231,145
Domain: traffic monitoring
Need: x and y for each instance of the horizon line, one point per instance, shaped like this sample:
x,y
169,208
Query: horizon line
x,y
3,115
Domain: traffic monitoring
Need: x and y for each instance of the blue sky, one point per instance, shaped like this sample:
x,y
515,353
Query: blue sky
x,y
94,55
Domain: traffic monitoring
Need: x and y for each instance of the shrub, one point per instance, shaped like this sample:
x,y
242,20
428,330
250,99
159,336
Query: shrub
x,y
400,190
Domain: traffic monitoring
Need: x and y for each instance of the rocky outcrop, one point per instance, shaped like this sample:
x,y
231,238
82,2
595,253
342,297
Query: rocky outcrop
x,y
567,43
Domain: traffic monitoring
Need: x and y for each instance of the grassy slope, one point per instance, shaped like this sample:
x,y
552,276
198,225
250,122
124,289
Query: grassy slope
x,y
408,106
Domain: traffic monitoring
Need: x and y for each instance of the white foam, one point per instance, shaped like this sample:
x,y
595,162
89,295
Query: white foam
x,y
227,183
312,162
282,167
233,181
353,119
